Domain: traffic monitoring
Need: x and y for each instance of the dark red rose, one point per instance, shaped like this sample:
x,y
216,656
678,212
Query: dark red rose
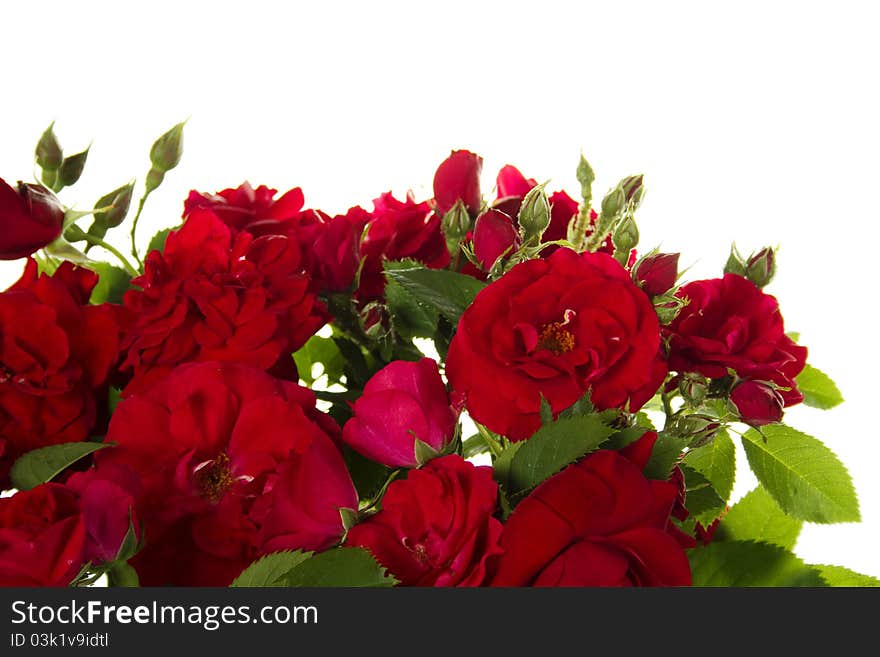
x,y
511,184
494,235
556,327
208,443
256,211
657,273
109,498
458,178
31,218
42,537
599,522
730,323
757,403
55,357
436,527
399,229
215,295
336,249
401,402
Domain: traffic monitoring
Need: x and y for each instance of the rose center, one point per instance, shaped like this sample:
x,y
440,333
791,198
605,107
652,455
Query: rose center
x,y
214,477
556,337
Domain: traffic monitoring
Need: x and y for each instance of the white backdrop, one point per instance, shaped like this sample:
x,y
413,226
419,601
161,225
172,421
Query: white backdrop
x,y
756,122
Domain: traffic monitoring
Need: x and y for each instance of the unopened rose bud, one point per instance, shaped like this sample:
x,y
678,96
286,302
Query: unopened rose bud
x,y
71,169
625,237
168,149
613,202
494,235
634,189
455,225
761,267
117,203
757,403
458,179
693,387
585,177
534,214
735,264
656,273
31,218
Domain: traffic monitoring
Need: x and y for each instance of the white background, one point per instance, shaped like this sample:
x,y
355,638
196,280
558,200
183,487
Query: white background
x,y
754,122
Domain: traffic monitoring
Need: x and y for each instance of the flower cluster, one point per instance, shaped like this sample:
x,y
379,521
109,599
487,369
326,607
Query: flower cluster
x,y
258,386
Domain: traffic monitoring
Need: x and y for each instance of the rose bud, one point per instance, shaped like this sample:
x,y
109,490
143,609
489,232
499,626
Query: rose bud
x,y
401,402
761,267
458,177
534,214
31,218
656,273
494,234
758,404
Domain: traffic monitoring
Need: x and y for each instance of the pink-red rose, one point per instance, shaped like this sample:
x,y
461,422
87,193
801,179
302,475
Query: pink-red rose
x,y
401,402
436,527
757,403
555,329
458,179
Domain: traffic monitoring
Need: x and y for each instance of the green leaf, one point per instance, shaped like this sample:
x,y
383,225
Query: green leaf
x,y
122,575
271,569
112,283
446,291
41,465
157,242
701,499
624,437
583,406
345,566
130,543
667,452
716,461
321,351
474,446
501,466
804,477
756,517
546,411
424,452
818,389
410,318
553,447
844,577
747,563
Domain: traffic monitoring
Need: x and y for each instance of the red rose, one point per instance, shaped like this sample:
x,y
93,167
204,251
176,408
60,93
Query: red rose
x,y
215,295
494,235
109,499
399,230
31,218
335,249
512,186
730,323
436,527
253,210
55,357
599,522
401,402
458,178
657,273
42,537
757,403
556,327
208,442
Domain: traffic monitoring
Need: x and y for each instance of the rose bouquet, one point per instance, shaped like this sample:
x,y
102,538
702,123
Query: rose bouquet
x,y
271,395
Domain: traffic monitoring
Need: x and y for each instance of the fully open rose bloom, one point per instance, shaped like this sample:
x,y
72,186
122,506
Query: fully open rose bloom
x,y
436,527
599,522
401,402
42,537
222,450
555,328
56,354
218,295
730,323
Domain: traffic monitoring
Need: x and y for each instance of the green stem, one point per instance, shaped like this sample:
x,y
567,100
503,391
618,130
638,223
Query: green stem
x,y
96,241
134,225
597,237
